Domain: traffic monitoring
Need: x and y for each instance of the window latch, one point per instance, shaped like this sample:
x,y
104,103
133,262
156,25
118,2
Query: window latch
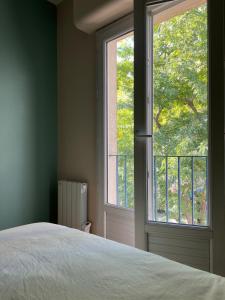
x,y
143,136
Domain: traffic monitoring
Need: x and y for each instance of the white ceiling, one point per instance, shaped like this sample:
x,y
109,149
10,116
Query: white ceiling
x,y
56,2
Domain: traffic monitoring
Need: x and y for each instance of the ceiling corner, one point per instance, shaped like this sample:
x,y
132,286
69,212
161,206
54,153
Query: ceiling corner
x,y
56,2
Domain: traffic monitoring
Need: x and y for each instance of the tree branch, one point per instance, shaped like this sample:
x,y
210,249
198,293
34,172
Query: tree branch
x,y
157,119
190,103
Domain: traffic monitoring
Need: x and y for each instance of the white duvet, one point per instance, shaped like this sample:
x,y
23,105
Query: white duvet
x,y
45,261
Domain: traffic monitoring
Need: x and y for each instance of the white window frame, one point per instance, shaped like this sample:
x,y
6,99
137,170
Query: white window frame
x,y
107,34
150,13
216,129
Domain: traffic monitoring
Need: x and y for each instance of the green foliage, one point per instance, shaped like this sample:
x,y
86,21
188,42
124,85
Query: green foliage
x,y
125,120
180,84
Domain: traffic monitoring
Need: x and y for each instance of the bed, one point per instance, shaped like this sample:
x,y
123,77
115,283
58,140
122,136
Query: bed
x,y
46,261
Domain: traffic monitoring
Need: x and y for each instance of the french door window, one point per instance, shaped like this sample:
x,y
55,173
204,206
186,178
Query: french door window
x,y
120,121
177,99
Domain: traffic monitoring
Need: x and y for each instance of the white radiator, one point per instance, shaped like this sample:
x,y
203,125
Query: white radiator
x,y
72,204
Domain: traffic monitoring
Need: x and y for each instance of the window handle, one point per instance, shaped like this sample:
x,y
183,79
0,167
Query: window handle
x,y
143,136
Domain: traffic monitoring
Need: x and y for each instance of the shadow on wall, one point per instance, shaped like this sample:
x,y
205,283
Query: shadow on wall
x,y
28,112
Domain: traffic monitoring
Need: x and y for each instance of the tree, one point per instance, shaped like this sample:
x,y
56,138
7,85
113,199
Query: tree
x,y
180,84
125,118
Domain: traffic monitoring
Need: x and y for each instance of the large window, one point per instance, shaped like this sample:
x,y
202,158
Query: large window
x,y
178,114
120,121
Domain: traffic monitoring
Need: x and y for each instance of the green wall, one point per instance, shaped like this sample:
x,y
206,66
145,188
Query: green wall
x,y
28,112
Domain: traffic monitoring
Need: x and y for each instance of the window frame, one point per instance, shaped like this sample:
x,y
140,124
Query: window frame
x,y
216,177
150,13
103,36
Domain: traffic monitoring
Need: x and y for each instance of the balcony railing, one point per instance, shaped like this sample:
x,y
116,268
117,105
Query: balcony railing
x,y
179,187
124,168
180,193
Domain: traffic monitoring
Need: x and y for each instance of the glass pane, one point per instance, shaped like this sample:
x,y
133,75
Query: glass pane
x,y
120,59
180,114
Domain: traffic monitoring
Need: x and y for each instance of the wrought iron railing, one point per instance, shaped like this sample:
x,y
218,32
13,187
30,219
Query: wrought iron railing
x,y
179,193
124,180
182,181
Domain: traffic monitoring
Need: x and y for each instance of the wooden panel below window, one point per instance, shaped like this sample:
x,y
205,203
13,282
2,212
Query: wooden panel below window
x,y
191,251
120,225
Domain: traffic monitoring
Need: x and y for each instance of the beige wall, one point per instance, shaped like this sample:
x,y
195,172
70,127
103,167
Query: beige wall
x,y
77,104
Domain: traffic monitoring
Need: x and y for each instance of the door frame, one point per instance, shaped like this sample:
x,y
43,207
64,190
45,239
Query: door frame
x,y
216,134
104,35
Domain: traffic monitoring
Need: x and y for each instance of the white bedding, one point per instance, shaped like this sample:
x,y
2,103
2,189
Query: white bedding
x,y
45,261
